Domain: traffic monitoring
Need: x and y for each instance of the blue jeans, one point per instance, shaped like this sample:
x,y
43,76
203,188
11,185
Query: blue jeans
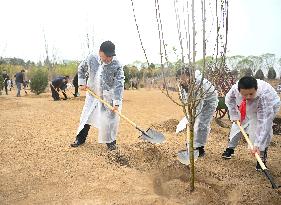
x,y
18,89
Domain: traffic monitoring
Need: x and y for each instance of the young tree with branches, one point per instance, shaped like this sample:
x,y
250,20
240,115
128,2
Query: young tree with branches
x,y
198,88
194,89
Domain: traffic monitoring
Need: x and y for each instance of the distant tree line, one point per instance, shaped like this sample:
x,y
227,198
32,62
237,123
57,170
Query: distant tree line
x,y
14,65
261,67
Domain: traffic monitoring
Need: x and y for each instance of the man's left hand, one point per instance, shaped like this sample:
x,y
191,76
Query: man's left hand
x,y
115,108
255,150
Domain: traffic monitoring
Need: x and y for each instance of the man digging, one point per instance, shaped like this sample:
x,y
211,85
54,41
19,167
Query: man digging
x,y
106,79
59,83
205,108
255,103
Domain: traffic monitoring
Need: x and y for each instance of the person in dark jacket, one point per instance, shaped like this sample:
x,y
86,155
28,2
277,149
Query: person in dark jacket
x,y
19,80
59,83
6,78
76,86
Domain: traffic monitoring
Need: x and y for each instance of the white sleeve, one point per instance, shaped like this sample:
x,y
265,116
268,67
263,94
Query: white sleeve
x,y
264,122
82,70
183,94
230,101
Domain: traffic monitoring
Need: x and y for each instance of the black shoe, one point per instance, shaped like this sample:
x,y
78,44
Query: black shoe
x,y
111,146
228,153
201,151
76,143
258,166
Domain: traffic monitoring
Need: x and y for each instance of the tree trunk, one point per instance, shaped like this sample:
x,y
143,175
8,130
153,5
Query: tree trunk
x,y
191,155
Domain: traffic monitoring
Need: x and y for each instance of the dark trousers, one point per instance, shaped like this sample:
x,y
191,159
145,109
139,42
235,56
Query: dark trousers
x,y
263,155
64,95
55,93
81,137
18,88
6,87
76,90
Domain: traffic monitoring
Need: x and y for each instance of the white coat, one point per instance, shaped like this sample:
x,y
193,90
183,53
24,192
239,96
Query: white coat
x,y
107,81
260,113
206,108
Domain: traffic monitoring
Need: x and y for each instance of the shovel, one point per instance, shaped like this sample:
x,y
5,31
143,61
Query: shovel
x,y
149,135
183,156
264,169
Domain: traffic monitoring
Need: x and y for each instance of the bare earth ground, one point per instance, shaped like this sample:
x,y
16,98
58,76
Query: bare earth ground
x,y
37,166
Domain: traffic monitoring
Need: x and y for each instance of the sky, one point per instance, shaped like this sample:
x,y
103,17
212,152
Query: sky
x,y
254,28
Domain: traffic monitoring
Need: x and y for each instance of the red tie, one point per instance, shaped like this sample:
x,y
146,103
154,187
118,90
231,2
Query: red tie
x,y
242,109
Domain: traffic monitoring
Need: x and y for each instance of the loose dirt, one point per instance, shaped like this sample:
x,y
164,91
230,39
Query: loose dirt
x,y
38,166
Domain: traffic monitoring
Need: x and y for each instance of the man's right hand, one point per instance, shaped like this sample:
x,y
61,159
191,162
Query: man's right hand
x,y
235,121
83,87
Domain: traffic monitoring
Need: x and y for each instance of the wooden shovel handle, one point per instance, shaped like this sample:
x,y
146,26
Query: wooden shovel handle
x,y
111,107
251,145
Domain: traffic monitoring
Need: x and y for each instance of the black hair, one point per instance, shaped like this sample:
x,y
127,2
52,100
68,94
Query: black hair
x,y
22,71
183,71
67,76
247,82
108,48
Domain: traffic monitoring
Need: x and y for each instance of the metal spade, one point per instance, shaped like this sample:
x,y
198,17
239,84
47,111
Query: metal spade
x,y
183,156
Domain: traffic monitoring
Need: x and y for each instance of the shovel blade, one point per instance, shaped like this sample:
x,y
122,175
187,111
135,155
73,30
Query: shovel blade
x,y
183,156
153,136
270,178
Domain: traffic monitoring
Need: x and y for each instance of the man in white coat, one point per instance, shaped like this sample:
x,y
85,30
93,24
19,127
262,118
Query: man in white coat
x,y
106,79
255,103
205,109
